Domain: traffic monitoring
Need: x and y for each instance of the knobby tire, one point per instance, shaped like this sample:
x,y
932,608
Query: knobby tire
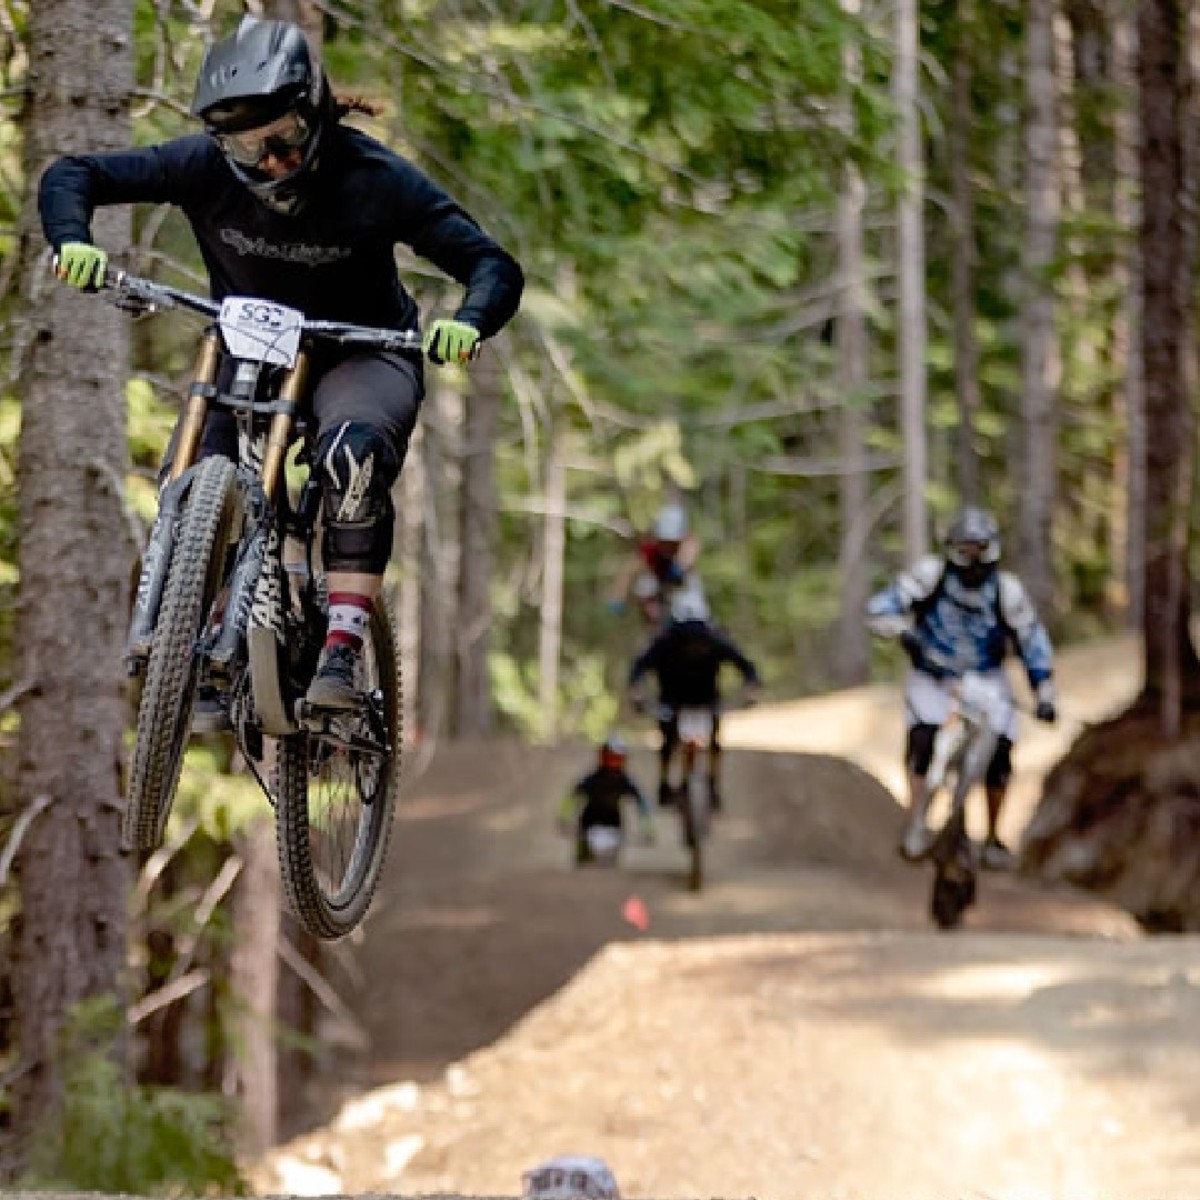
x,y
693,809
331,848
953,890
169,693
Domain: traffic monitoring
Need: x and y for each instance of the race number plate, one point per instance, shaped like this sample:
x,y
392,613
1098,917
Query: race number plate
x,y
260,330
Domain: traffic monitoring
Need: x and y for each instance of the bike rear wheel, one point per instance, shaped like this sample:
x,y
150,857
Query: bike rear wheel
x,y
169,693
694,811
335,799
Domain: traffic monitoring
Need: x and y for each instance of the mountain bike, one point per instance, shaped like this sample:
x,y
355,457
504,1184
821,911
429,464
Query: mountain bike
x,y
692,796
216,602
963,747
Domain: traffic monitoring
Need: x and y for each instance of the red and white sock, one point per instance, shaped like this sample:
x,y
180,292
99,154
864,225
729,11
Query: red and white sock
x,y
349,615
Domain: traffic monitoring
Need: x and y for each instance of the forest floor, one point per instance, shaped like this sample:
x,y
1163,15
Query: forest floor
x,y
796,1030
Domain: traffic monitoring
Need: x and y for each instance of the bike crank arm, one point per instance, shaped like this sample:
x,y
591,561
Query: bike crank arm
x,y
321,723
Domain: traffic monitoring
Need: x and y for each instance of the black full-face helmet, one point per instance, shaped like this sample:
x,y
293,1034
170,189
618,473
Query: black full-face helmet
x,y
973,545
265,75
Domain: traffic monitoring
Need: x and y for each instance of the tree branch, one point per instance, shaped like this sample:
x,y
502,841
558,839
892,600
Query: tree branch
x,y
323,990
28,815
161,997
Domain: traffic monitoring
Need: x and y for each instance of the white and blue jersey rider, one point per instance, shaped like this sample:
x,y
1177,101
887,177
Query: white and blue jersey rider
x,y
955,614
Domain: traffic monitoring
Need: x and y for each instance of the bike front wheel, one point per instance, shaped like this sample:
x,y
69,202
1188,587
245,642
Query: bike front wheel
x,y
169,693
694,812
954,872
336,796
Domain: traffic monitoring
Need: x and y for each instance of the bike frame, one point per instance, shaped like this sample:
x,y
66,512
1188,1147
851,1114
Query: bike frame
x,y
252,335
964,746
695,726
967,739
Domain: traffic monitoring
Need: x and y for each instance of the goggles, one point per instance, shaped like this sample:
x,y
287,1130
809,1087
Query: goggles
x,y
281,138
967,554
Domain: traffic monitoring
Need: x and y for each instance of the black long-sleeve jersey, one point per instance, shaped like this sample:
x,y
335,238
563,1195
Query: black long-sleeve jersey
x,y
599,795
333,260
687,658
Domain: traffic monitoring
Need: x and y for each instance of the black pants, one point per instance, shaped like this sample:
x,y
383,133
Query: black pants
x,y
377,389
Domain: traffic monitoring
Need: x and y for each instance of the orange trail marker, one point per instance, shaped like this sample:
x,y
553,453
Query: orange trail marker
x,y
634,911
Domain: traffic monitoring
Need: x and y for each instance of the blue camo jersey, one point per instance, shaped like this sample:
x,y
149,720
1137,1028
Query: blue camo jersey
x,y
961,628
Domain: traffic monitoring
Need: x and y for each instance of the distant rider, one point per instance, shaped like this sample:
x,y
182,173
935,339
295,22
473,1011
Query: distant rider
x,y
687,657
596,799
954,614
663,563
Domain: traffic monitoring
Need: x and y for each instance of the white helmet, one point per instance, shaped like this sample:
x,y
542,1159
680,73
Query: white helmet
x,y
689,605
671,524
973,537
570,1177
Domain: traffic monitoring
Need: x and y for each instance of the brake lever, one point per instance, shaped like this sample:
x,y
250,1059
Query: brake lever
x,y
127,302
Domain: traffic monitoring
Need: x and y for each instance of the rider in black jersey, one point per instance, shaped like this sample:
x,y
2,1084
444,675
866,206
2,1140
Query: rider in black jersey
x,y
687,658
288,203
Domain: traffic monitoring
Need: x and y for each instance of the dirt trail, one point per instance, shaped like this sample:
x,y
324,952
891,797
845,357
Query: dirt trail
x,y
797,1030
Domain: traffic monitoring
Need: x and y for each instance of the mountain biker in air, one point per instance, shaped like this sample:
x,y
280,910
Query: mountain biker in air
x,y
596,799
954,614
687,657
288,203
663,563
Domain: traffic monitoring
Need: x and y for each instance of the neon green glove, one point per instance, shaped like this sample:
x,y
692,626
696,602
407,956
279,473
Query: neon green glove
x,y
82,265
451,341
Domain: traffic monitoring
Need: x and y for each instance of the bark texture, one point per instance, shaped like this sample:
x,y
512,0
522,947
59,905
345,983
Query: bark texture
x,y
1168,242
1040,361
69,940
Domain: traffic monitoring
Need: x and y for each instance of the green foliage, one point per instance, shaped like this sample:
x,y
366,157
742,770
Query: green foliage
x,y
585,704
110,1136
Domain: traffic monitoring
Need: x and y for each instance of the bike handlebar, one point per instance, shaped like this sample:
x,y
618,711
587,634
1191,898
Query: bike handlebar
x,y
148,294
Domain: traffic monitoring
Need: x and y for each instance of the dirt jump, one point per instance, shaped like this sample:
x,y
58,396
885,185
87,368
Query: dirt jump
x,y
797,1029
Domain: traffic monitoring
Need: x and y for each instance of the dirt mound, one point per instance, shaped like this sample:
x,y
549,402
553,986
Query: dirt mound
x,y
886,1064
482,917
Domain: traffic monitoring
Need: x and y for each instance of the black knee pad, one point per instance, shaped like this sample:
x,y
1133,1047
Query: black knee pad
x,y
357,466
1000,768
919,752
363,549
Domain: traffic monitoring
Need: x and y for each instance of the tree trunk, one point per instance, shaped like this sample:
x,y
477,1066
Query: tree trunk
x,y
911,255
254,980
439,560
305,13
1167,241
853,658
410,510
1039,340
1129,469
962,250
477,524
739,539
75,560
554,542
